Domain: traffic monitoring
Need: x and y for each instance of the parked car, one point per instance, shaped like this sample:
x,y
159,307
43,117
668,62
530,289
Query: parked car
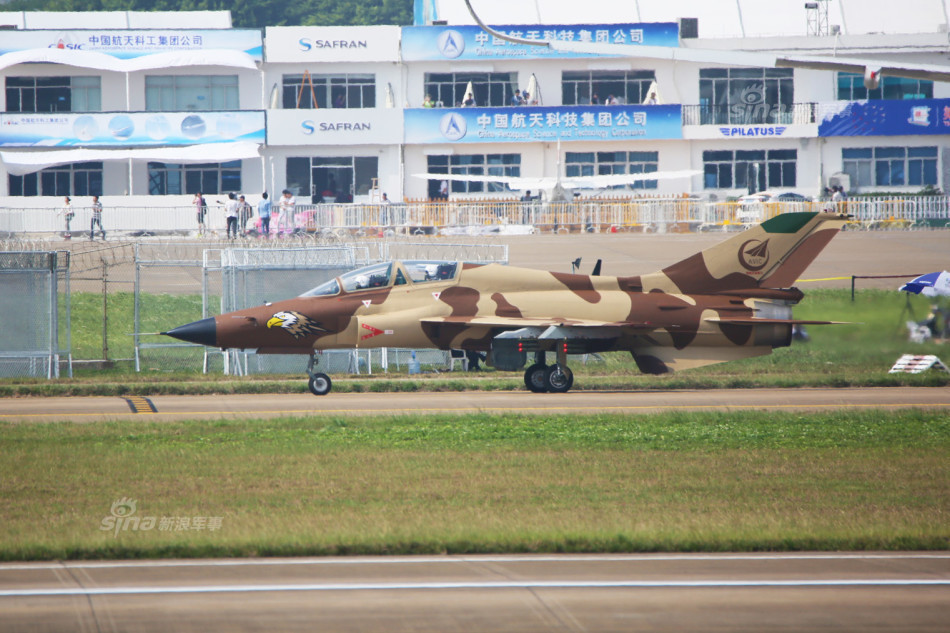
x,y
752,206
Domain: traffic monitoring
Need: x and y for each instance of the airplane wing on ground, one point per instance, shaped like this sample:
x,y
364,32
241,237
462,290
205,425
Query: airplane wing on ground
x,y
577,182
513,182
613,180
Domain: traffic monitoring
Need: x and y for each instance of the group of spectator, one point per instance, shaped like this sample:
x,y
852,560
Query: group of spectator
x,y
68,214
238,212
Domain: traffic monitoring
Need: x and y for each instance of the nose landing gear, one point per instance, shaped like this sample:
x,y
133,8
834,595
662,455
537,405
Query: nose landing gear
x,y
319,383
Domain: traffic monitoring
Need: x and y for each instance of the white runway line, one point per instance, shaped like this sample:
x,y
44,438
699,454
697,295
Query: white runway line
x,y
428,586
512,558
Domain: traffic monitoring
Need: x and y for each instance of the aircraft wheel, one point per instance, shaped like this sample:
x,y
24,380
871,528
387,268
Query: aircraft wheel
x,y
534,378
558,379
320,384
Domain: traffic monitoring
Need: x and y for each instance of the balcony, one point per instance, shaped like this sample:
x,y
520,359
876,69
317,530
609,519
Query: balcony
x,y
750,114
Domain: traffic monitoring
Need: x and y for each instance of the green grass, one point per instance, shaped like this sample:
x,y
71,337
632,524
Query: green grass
x,y
857,354
482,483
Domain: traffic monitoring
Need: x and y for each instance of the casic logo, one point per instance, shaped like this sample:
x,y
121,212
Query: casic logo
x,y
754,254
451,44
453,126
64,42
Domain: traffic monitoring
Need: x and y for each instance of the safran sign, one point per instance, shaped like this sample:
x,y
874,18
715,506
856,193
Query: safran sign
x,y
332,43
458,42
129,129
885,118
334,127
531,124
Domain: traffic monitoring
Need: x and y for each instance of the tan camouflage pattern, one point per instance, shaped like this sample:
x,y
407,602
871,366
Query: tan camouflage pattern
x,y
730,301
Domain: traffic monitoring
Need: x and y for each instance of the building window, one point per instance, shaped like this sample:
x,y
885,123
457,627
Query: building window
x,y
851,88
754,170
53,94
508,165
331,178
308,91
743,96
76,179
491,89
178,93
890,166
586,87
208,178
605,163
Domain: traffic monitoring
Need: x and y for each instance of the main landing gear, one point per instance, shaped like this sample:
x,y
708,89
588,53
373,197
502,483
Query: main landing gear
x,y
319,383
557,378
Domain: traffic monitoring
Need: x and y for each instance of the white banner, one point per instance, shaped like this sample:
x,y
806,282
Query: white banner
x,y
377,126
296,44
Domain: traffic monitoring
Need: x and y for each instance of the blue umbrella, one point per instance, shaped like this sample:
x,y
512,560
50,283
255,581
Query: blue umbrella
x,y
930,285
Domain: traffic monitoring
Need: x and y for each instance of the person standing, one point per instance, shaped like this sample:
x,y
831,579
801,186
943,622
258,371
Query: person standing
x,y
96,219
516,99
68,214
263,212
231,214
244,214
444,190
201,211
288,207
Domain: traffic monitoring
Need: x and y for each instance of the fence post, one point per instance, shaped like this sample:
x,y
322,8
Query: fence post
x,y
105,310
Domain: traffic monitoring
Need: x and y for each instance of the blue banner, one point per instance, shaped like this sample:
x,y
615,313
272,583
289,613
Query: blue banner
x,y
129,129
532,124
885,118
129,44
436,43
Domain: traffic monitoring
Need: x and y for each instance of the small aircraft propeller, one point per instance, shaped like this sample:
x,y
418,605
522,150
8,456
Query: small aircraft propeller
x,y
575,265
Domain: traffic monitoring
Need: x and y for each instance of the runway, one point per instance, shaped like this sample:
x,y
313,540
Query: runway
x,y
91,409
652,592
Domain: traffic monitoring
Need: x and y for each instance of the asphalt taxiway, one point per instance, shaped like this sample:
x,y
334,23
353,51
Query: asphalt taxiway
x,y
157,408
887,591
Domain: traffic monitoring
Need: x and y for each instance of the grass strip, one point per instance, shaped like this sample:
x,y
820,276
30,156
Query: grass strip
x,y
480,483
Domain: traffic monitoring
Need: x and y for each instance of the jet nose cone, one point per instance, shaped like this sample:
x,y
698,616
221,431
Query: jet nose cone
x,y
203,332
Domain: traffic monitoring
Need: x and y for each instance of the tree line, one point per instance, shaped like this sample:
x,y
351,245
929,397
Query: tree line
x,y
250,13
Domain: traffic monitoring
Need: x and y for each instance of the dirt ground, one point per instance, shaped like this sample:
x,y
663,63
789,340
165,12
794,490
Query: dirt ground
x,y
861,253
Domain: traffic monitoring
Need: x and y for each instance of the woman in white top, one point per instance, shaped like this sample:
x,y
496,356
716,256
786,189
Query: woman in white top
x,y
68,214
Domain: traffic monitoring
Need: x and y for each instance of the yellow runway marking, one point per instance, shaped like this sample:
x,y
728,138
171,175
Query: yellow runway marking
x,y
140,404
390,412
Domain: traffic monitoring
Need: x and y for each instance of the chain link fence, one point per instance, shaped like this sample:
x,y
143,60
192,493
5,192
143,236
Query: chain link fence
x,y
35,312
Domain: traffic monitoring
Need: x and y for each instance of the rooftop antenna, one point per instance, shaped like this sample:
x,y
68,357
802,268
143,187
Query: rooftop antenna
x,y
816,16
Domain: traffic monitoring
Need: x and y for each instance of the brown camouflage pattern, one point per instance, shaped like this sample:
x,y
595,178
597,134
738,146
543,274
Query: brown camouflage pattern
x,y
730,301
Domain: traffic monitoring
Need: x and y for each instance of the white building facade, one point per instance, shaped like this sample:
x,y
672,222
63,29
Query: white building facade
x,y
150,116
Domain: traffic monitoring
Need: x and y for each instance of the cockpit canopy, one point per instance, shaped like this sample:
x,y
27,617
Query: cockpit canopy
x,y
385,274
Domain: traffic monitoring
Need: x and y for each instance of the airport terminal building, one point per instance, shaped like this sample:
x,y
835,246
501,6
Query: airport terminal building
x,y
145,110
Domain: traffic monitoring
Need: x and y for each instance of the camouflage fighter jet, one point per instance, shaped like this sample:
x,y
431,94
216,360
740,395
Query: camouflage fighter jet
x,y
733,300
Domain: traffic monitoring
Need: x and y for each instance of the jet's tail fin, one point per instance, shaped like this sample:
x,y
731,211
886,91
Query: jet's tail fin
x,y
771,255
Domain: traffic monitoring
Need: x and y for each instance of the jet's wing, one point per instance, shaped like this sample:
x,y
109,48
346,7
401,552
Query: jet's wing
x,y
755,321
511,323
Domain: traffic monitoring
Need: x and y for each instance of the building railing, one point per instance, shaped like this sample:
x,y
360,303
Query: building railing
x,y
750,114
485,216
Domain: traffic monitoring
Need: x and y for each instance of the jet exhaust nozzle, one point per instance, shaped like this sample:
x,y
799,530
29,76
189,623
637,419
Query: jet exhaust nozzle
x,y
203,332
